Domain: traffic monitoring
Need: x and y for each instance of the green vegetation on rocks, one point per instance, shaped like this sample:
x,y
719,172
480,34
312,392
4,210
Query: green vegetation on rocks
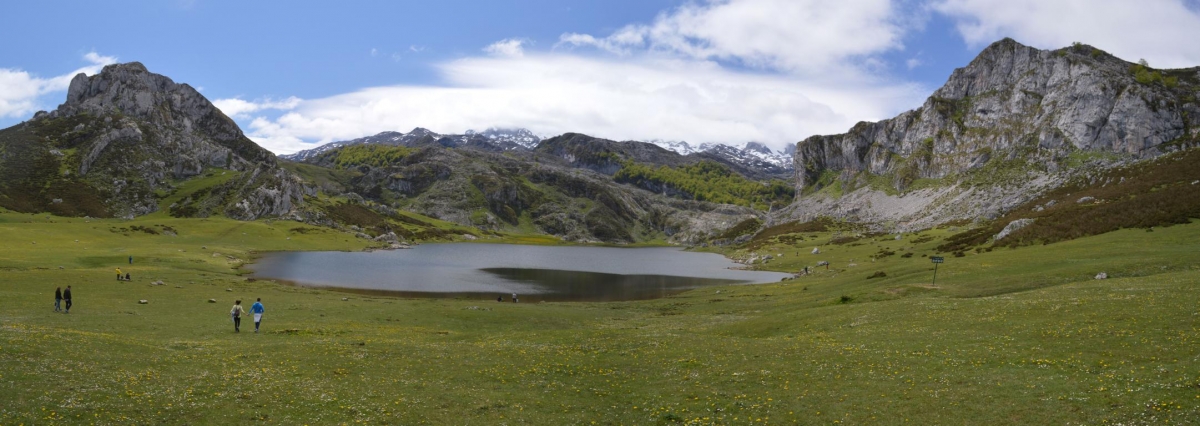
x,y
366,155
707,181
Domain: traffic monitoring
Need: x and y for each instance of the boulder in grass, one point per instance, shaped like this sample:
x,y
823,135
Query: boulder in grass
x,y
212,300
143,302
1102,276
816,250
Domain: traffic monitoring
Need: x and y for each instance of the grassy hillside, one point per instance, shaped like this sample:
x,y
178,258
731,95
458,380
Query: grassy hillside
x,y
1011,336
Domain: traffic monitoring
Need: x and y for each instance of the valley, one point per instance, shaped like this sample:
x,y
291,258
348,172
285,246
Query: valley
x,y
1060,187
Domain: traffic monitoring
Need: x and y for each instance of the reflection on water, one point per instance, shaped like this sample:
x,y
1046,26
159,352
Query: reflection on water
x,y
598,286
485,271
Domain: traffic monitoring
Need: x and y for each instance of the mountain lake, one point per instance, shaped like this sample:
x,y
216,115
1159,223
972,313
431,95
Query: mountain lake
x,y
488,271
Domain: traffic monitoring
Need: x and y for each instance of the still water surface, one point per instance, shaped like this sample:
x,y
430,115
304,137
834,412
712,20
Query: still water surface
x,y
535,273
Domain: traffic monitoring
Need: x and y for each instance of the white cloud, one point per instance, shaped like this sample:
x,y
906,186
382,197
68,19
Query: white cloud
x,y
416,49
511,47
681,77
798,36
648,97
239,108
374,52
21,92
1161,31
912,63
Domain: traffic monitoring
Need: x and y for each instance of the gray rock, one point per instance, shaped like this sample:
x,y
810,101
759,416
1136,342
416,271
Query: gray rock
x,y
1028,108
1102,276
144,125
816,250
1084,200
1013,227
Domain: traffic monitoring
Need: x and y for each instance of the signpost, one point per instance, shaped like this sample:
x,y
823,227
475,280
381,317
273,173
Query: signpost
x,y
936,260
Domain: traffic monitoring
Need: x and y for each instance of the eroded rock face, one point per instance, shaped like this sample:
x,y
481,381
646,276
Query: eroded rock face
x,y
1014,109
138,132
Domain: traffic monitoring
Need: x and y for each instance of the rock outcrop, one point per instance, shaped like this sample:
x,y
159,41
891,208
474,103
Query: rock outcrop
x,y
498,191
1013,123
129,137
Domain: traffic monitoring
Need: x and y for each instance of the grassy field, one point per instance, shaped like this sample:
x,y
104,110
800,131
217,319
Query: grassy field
x,y
1011,336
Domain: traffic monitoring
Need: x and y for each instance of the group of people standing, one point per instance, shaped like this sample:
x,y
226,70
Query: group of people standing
x,y
256,309
237,312
59,297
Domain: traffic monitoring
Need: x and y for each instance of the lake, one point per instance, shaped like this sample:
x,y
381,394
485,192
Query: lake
x,y
534,273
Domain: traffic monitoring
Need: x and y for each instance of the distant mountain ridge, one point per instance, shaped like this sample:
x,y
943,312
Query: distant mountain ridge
x,y
492,139
756,157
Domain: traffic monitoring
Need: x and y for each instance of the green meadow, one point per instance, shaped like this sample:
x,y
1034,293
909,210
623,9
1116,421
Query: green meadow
x,y
1007,336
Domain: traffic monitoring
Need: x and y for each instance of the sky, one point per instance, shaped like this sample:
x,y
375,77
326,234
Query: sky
x,y
298,74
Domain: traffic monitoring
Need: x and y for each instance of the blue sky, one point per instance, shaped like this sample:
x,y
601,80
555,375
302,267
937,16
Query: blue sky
x,y
294,74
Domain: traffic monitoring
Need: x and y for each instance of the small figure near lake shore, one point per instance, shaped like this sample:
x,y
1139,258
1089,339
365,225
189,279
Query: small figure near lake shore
x,y
514,298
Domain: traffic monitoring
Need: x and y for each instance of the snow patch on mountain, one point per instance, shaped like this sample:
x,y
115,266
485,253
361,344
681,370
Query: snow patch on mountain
x,y
752,154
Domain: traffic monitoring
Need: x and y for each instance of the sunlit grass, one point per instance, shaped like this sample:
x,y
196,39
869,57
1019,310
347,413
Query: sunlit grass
x,y
1014,336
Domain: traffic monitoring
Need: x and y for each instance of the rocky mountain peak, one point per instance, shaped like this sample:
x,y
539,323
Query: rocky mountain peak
x,y
519,136
127,134
1013,111
418,132
757,147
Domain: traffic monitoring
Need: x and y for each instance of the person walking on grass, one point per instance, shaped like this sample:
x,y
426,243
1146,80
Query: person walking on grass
x,y
257,309
67,298
58,299
237,314
118,274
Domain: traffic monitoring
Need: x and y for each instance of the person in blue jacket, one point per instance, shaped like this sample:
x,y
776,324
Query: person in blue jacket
x,y
257,309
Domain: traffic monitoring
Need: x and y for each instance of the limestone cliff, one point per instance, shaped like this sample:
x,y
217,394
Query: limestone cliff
x,y
1013,123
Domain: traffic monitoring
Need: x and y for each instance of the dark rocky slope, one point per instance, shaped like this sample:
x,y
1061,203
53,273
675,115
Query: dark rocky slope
x,y
525,192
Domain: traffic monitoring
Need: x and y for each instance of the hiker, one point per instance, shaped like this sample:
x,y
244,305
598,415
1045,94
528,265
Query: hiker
x,y
58,299
130,260
118,274
237,313
514,298
257,309
67,298
126,276
500,298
